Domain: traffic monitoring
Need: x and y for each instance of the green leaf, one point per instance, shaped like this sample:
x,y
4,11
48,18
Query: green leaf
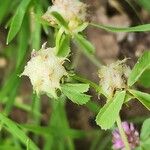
x,y
23,41
16,131
17,20
87,49
145,131
84,80
11,101
27,108
60,20
36,107
75,93
79,87
77,98
109,113
93,106
142,64
59,35
73,133
138,148
8,147
4,7
13,79
145,145
145,79
64,47
84,44
144,98
8,85
36,25
145,4
81,27
139,28
62,43
128,97
58,121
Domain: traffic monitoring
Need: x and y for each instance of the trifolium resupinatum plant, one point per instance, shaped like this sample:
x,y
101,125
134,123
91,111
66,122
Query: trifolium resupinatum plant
x,y
52,72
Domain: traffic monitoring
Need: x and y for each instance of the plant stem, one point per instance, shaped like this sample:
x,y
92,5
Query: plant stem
x,y
123,135
85,80
91,57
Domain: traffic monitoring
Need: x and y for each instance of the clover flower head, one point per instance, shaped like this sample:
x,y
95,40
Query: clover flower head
x,y
132,136
114,77
45,71
73,11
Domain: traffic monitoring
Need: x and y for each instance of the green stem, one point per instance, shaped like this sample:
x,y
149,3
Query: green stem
x,y
123,135
84,80
91,57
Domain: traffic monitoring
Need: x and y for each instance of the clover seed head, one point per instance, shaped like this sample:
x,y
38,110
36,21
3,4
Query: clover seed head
x,y
45,71
114,77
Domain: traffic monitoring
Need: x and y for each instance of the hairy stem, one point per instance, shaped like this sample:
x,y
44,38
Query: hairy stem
x,y
123,135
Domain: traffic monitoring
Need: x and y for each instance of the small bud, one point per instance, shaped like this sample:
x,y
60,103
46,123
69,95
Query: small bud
x,y
45,71
73,11
114,77
132,136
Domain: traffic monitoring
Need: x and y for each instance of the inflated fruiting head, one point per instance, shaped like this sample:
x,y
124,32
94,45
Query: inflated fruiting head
x,y
114,77
73,11
45,71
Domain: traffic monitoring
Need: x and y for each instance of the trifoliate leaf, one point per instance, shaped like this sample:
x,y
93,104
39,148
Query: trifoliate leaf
x,y
78,87
142,64
145,78
75,92
144,98
109,113
145,145
145,131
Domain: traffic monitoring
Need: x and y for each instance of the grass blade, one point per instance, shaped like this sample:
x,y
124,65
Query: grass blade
x,y
16,131
4,5
23,41
17,20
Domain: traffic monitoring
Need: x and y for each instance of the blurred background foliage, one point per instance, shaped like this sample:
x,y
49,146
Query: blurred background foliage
x,y
62,125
